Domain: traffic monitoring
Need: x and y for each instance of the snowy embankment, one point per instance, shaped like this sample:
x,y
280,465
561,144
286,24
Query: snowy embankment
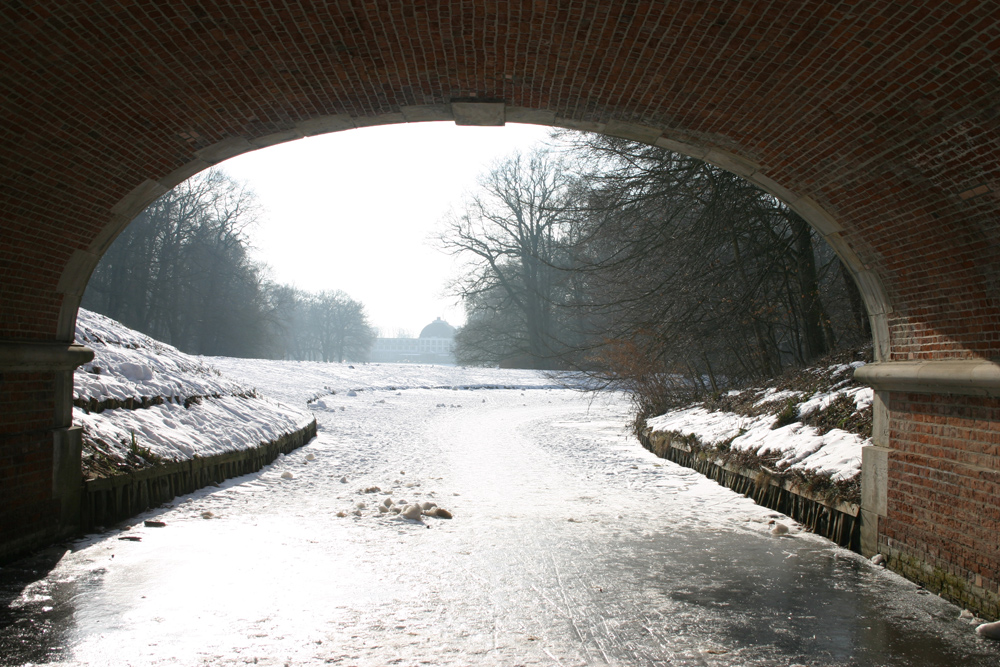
x,y
814,425
141,401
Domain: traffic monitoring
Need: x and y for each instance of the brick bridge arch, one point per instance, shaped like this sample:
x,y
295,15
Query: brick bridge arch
x,y
877,121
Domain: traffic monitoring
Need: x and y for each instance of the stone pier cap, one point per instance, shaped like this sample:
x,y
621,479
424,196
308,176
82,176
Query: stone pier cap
x,y
32,357
969,377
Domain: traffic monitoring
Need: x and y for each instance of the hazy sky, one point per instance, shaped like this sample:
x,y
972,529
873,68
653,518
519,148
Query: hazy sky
x,y
355,210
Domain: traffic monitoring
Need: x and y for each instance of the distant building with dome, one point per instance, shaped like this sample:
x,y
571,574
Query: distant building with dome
x,y
436,345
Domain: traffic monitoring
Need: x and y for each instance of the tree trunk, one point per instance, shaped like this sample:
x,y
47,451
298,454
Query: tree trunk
x,y
808,284
858,309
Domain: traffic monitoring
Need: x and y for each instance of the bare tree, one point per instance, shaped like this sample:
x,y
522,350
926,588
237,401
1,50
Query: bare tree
x,y
341,327
693,272
183,271
510,232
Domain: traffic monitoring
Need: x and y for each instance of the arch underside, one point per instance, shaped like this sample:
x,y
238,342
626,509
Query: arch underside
x,y
878,122
883,137
75,275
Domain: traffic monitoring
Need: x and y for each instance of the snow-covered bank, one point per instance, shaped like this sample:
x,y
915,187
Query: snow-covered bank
x,y
192,408
787,430
786,446
795,446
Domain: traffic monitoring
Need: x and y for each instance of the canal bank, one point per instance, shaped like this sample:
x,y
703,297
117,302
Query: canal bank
x,y
107,500
834,519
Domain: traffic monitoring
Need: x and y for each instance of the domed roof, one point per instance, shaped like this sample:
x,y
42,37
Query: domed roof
x,y
438,329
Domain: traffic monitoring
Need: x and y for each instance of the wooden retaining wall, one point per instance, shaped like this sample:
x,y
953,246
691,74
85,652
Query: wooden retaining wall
x,y
837,521
111,499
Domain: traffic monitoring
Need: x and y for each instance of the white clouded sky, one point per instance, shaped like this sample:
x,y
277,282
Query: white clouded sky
x,y
354,210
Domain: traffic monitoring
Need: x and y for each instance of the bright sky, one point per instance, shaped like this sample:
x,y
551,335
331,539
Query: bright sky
x,y
356,210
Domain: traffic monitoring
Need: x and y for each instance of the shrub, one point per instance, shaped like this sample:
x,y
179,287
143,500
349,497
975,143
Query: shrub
x,y
788,415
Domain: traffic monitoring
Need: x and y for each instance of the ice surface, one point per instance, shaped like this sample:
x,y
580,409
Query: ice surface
x,y
302,381
570,545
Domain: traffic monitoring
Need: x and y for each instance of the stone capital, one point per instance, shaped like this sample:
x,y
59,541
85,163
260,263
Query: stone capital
x,y
42,356
969,377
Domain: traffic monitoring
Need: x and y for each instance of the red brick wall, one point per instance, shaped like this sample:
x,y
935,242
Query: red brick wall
x,y
884,112
943,491
26,415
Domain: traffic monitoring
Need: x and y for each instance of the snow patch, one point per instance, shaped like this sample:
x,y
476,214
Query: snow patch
x,y
837,452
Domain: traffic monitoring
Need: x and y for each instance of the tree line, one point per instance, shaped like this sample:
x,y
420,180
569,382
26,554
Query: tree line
x,y
656,272
184,272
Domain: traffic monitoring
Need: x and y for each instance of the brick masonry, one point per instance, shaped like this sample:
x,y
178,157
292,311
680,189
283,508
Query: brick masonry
x,y
882,114
943,522
27,506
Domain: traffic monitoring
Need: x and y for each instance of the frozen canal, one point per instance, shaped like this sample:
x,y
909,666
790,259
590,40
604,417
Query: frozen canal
x,y
570,545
